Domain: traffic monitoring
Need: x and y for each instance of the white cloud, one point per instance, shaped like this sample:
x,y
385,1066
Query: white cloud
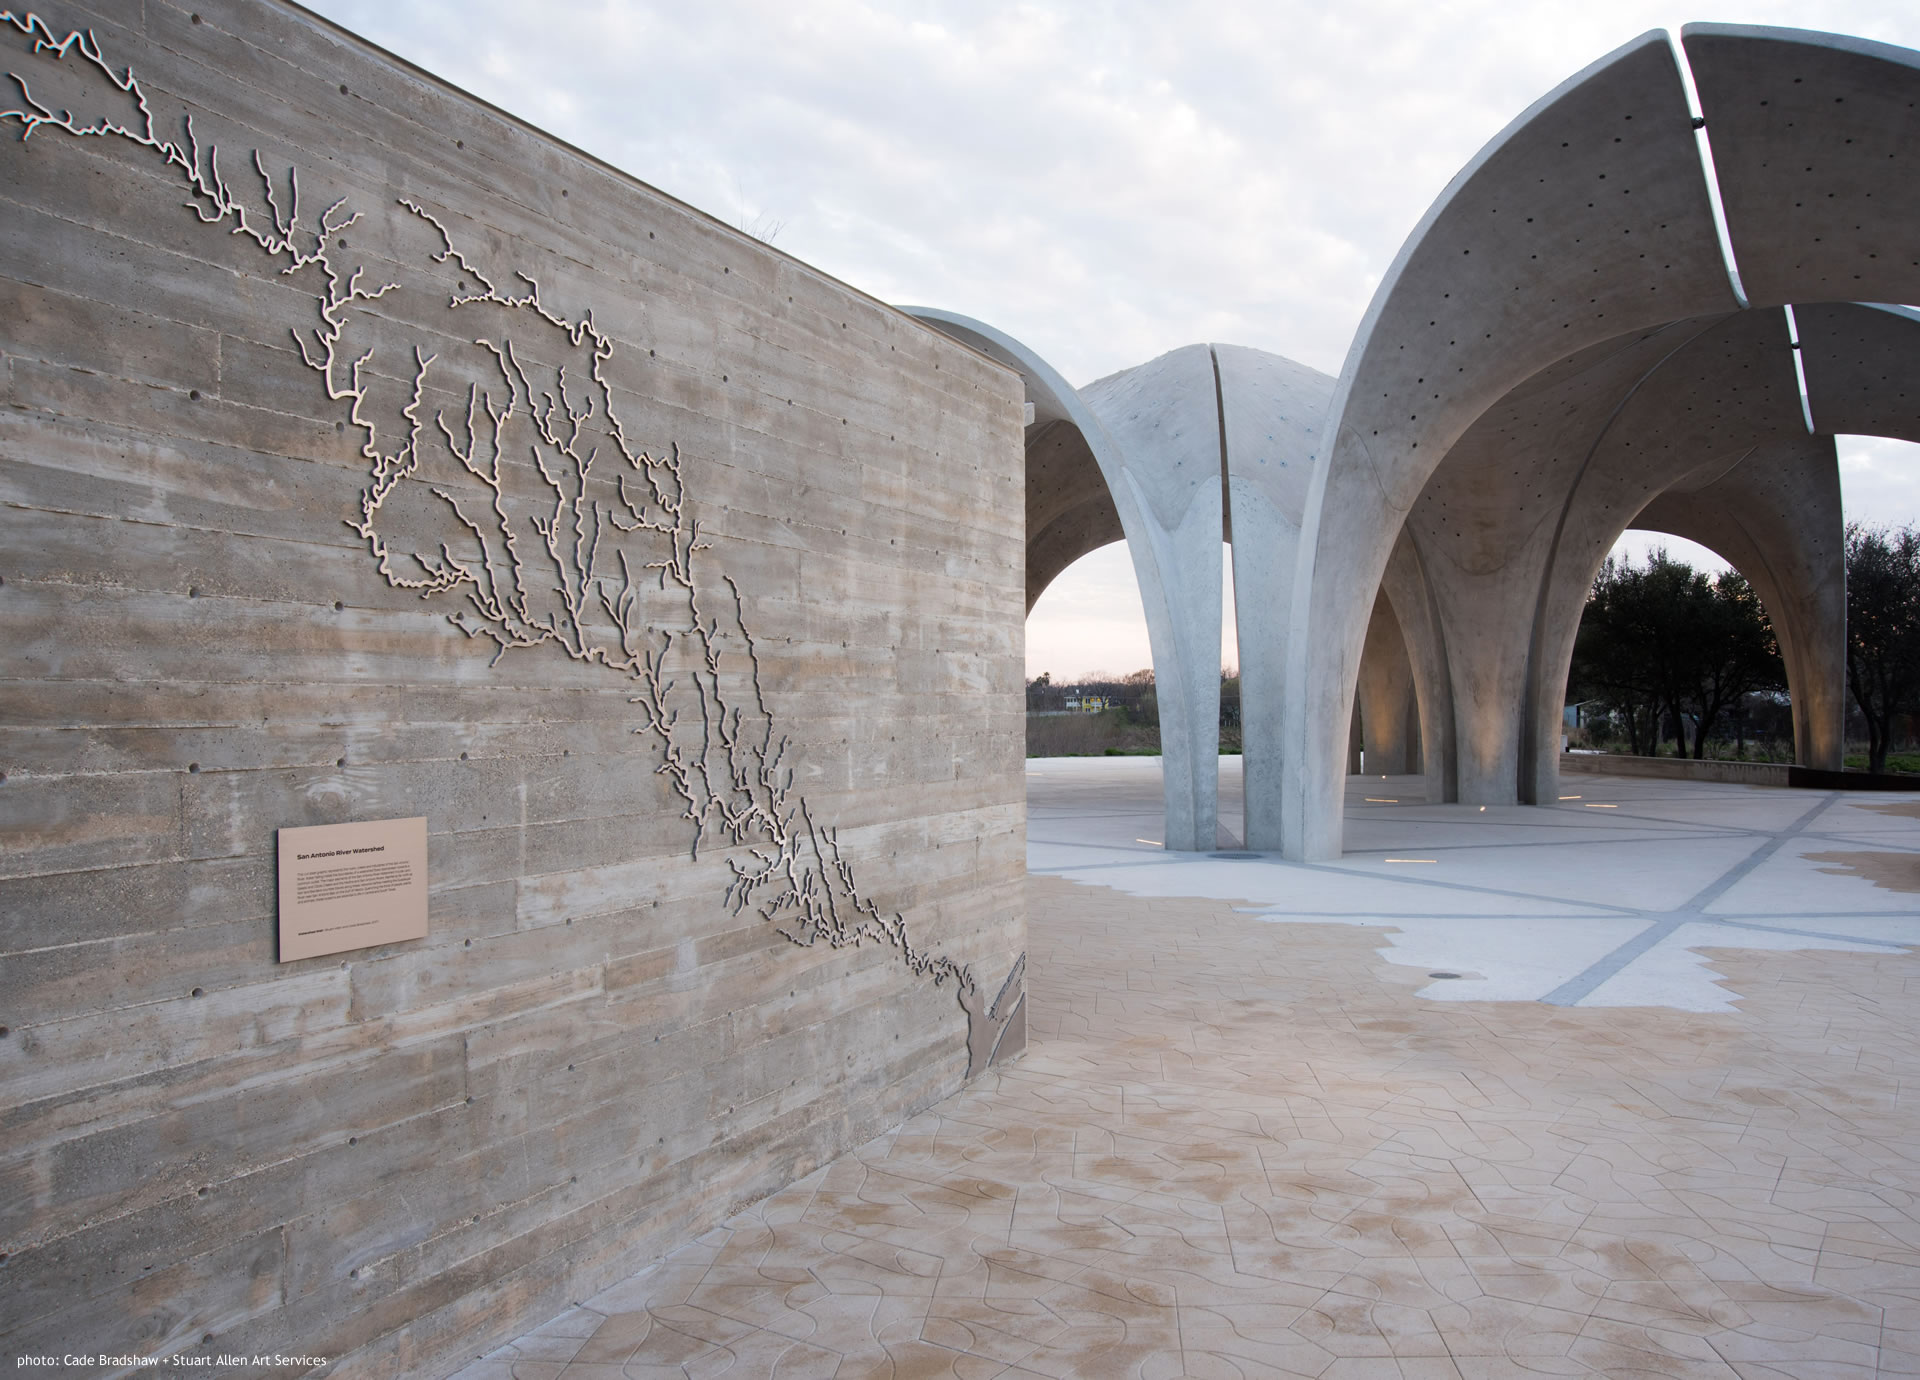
x,y
1880,480
1636,546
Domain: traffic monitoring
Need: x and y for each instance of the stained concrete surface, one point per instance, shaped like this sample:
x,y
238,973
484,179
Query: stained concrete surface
x,y
1599,898
1257,1149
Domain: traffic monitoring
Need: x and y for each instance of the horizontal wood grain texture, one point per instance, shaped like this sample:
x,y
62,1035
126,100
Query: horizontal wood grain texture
x,y
395,1155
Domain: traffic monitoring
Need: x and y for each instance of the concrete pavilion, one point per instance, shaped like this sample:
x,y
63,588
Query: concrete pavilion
x,y
1565,349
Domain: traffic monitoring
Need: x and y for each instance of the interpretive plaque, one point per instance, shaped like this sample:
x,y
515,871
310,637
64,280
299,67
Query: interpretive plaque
x,y
351,886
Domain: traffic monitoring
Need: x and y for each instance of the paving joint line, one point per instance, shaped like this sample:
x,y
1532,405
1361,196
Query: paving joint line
x,y
1582,985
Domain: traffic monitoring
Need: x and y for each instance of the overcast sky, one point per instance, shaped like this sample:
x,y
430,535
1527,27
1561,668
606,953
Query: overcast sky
x,y
1105,181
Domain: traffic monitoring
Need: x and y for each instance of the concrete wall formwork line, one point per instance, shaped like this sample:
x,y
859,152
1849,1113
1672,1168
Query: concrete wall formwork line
x,y
760,594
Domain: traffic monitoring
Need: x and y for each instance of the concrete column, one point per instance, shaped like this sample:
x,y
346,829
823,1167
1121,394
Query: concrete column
x,y
1389,709
1405,585
1163,419
1275,414
1153,435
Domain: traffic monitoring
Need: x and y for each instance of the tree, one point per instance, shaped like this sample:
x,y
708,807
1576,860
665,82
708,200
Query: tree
x,y
1736,654
1662,641
1230,702
1883,630
1616,651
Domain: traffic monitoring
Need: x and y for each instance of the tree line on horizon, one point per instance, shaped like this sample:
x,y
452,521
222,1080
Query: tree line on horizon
x,y
1666,652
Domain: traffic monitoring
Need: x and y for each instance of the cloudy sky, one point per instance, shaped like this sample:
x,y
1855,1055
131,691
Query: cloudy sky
x,y
1105,180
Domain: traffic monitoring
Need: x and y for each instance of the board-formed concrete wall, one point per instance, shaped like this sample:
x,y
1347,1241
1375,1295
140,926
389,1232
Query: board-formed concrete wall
x,y
501,573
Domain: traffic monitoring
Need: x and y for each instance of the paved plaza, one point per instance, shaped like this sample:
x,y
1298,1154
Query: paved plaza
x,y
1657,1125
1602,899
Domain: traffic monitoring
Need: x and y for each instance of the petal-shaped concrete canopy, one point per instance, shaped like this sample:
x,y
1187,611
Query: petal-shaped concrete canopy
x,y
1559,352
1862,375
1559,345
1082,481
1151,453
1694,430
1816,141
1585,221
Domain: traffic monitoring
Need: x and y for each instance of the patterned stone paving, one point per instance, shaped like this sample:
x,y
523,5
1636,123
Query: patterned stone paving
x,y
1240,1149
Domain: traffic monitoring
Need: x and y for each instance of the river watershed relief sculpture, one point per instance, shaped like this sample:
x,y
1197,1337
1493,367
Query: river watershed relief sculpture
x,y
610,567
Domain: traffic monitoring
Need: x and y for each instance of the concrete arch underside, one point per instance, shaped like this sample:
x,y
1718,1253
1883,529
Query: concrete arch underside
x,y
1483,489
1560,352
1774,513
